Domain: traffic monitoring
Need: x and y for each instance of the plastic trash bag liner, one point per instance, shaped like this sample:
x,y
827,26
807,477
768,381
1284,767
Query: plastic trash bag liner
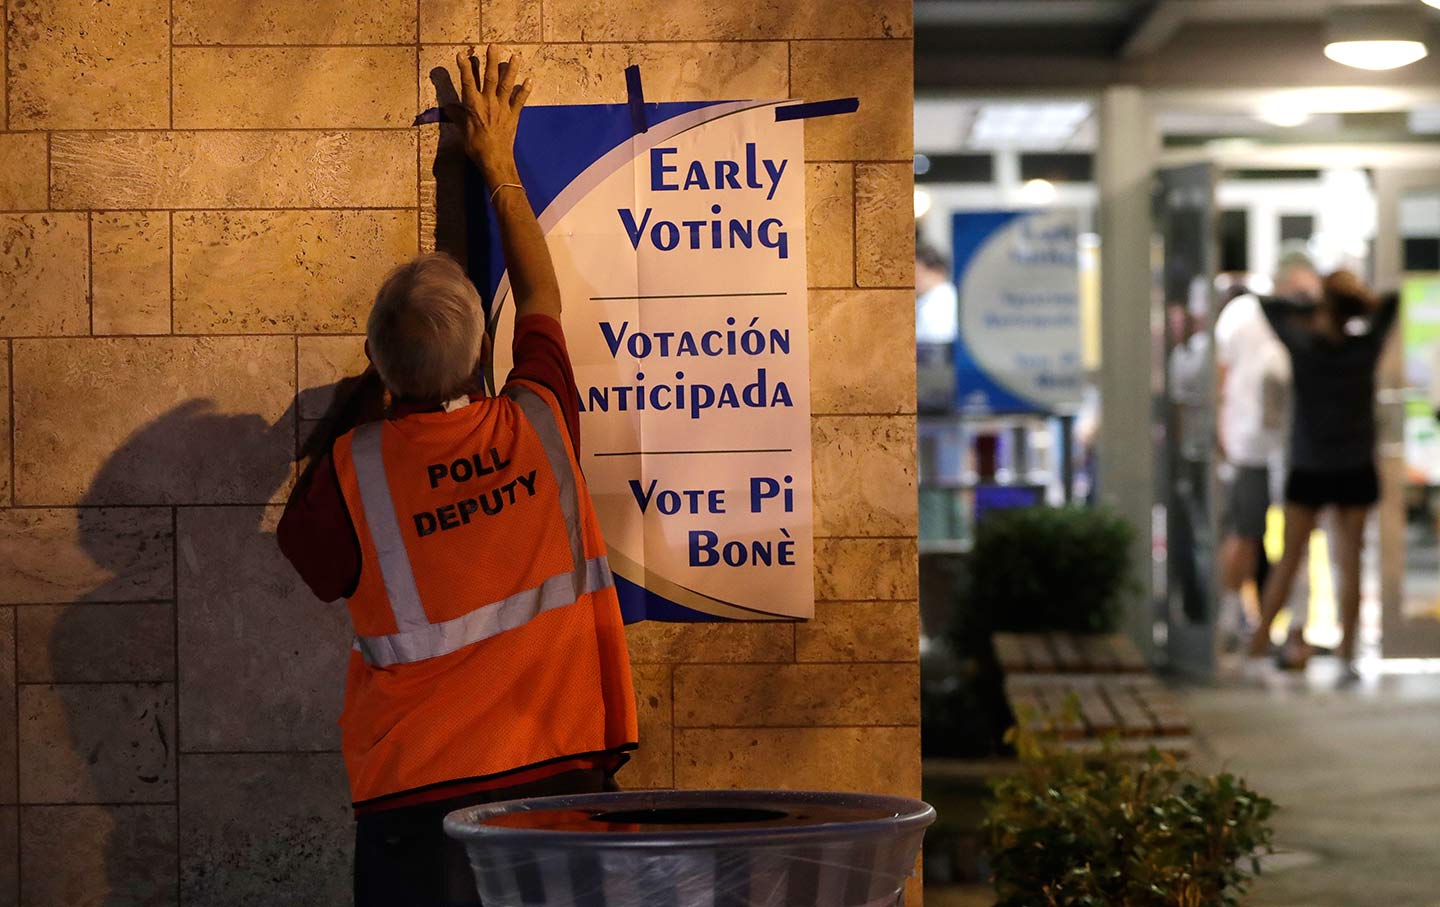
x,y
694,849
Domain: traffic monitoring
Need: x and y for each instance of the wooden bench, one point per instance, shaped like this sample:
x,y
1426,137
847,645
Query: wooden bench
x,y
1088,689
1068,653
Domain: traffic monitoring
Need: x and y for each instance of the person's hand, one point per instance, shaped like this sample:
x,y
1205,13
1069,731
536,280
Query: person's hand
x,y
491,98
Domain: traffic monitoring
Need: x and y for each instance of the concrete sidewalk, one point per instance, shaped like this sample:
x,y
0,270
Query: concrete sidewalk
x,y
1356,774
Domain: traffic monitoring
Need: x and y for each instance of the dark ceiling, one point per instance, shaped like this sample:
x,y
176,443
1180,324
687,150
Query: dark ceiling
x,y
1019,44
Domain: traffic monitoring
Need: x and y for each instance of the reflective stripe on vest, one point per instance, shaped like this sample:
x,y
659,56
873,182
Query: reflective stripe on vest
x,y
417,638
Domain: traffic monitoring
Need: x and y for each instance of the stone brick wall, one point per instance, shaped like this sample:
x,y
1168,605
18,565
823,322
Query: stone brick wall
x,y
197,198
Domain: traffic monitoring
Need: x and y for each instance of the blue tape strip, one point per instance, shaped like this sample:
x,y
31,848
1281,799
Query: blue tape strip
x,y
433,115
816,109
635,96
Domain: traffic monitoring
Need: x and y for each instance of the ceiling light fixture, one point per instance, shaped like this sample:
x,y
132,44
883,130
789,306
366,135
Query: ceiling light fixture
x,y
1286,117
1376,37
922,203
1038,192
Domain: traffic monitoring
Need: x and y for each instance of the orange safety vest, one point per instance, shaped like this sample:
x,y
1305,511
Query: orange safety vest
x,y
488,632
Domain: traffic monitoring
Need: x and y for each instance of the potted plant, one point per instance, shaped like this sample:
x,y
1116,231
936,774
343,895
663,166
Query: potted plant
x,y
1110,831
1048,569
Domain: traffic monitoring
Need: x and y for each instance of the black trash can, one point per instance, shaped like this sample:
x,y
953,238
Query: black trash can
x,y
694,849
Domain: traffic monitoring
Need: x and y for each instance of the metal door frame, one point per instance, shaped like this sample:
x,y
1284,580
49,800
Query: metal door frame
x,y
1399,637
1191,645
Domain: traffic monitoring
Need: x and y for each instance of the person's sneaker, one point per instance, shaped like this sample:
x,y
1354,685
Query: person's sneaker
x,y
1294,655
1258,670
1349,676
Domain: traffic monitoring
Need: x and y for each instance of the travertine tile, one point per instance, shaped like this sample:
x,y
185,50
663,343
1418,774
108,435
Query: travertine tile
x,y
812,695
854,759
428,218
595,73
653,764
76,64
324,361
511,21
884,225
130,289
450,186
265,829
9,854
154,420
860,631
862,351
449,21
880,74
244,169
100,554
44,273
4,433
324,87
639,20
97,742
23,170
865,569
109,854
244,613
8,742
864,473
288,22
830,224
284,271
60,643
656,642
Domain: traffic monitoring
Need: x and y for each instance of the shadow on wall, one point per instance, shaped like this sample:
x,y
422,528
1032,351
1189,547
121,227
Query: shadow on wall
x,y
268,827
459,189
203,728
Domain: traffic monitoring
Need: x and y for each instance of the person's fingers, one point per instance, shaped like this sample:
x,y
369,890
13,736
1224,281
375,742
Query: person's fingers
x,y
522,94
467,74
492,68
503,70
508,71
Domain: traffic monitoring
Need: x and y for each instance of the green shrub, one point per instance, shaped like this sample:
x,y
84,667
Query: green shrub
x,y
1048,569
1108,831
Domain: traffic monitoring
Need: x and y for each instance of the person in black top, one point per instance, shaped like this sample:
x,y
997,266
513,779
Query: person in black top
x,y
1334,349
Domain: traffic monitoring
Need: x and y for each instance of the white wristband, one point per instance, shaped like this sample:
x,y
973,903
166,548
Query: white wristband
x,y
497,189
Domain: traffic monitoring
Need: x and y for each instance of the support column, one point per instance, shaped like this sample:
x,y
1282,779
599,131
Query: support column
x,y
1124,166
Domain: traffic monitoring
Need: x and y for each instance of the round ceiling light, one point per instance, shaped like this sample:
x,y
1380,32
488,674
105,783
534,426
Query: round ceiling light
x,y
1376,37
922,203
1376,55
1038,192
1286,117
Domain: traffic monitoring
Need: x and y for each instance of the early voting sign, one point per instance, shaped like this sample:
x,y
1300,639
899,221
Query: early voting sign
x,y
680,251
1018,275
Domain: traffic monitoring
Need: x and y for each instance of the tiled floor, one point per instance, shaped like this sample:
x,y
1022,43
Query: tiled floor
x,y
1356,774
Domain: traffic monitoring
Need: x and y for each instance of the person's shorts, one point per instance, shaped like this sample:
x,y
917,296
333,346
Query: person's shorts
x,y
1248,502
1359,487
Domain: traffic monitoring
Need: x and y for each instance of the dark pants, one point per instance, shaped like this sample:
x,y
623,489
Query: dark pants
x,y
403,858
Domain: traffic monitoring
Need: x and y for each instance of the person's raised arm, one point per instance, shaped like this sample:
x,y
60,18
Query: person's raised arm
x,y
1383,315
488,113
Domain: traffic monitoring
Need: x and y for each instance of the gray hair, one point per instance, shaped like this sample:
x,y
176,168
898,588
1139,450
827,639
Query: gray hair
x,y
426,329
1294,260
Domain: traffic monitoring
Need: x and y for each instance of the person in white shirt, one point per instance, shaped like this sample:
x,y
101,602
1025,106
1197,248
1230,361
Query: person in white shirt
x,y
1253,411
937,304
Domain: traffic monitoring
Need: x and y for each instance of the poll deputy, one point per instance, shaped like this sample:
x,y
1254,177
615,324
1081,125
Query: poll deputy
x,y
489,660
